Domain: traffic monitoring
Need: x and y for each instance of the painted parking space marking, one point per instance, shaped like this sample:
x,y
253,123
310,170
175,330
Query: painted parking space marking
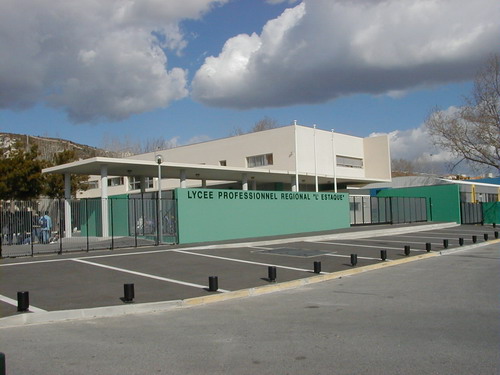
x,y
144,274
261,248
348,256
371,246
13,302
406,242
241,261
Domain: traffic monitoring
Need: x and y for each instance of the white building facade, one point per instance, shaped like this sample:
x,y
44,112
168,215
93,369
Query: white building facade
x,y
296,158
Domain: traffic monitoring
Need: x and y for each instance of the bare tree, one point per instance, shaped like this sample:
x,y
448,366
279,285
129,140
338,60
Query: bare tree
x,y
402,167
265,123
472,132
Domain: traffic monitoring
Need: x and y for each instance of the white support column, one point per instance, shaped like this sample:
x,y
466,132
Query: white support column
x,y
204,183
294,183
334,159
67,206
104,201
315,162
244,182
183,179
296,161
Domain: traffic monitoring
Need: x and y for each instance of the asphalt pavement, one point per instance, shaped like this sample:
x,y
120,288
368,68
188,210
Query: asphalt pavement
x,y
437,315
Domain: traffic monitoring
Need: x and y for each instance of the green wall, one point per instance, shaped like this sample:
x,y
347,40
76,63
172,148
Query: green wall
x,y
443,201
90,216
118,215
491,212
214,215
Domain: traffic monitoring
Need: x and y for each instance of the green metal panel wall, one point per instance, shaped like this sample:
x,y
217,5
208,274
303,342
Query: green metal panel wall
x,y
443,201
118,215
213,215
491,212
90,217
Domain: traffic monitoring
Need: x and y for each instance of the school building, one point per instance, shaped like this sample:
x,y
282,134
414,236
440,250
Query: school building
x,y
241,186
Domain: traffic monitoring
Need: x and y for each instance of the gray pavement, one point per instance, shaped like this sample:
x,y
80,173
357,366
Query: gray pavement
x,y
83,281
438,315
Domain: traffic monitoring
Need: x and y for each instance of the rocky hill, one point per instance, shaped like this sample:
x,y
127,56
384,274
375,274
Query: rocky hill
x,y
47,147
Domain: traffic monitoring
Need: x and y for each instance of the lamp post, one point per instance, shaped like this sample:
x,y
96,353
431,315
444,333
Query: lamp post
x,y
159,160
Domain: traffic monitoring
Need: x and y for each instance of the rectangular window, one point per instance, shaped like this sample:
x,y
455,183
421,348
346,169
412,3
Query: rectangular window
x,y
134,183
259,160
222,163
346,161
92,184
115,181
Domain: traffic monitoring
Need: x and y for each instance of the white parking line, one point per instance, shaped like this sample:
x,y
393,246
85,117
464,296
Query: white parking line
x,y
406,242
13,302
358,245
348,256
242,261
144,274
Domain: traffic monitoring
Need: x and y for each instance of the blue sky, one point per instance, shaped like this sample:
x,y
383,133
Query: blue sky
x,y
188,70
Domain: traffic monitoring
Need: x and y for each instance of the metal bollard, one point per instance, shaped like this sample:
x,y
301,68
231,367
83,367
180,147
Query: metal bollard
x,y
317,267
407,250
428,247
271,273
445,244
23,301
383,255
485,236
496,234
128,293
213,283
354,259
3,369
461,241
474,239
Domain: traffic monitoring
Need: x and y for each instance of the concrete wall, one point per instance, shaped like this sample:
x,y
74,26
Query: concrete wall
x,y
377,157
214,215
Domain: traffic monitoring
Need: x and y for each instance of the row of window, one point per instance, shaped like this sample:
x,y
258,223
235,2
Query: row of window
x,y
134,183
267,159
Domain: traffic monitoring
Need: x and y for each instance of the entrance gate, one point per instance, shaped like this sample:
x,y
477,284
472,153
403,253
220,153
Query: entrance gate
x,y
77,225
471,213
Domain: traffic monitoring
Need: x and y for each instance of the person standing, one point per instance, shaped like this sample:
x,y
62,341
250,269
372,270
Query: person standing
x,y
45,227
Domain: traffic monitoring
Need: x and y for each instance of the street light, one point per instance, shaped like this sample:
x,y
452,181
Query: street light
x,y
159,160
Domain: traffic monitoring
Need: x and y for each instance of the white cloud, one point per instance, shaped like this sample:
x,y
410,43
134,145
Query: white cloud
x,y
94,59
323,49
415,145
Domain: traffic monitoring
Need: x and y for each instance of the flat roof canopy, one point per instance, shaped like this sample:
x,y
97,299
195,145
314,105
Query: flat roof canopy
x,y
138,168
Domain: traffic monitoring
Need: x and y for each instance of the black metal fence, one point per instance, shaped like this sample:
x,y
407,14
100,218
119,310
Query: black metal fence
x,y
385,210
58,226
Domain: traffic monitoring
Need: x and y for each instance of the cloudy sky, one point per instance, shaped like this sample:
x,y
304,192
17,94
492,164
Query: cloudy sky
x,y
188,70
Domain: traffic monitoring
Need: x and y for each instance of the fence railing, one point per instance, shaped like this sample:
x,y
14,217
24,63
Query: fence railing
x,y
384,210
57,226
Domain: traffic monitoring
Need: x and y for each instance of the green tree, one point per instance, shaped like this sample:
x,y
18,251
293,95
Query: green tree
x,y
21,174
54,183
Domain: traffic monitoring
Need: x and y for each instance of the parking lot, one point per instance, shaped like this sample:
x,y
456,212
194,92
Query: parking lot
x,y
168,273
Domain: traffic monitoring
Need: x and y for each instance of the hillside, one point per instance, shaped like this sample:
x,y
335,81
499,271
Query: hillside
x,y
47,146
